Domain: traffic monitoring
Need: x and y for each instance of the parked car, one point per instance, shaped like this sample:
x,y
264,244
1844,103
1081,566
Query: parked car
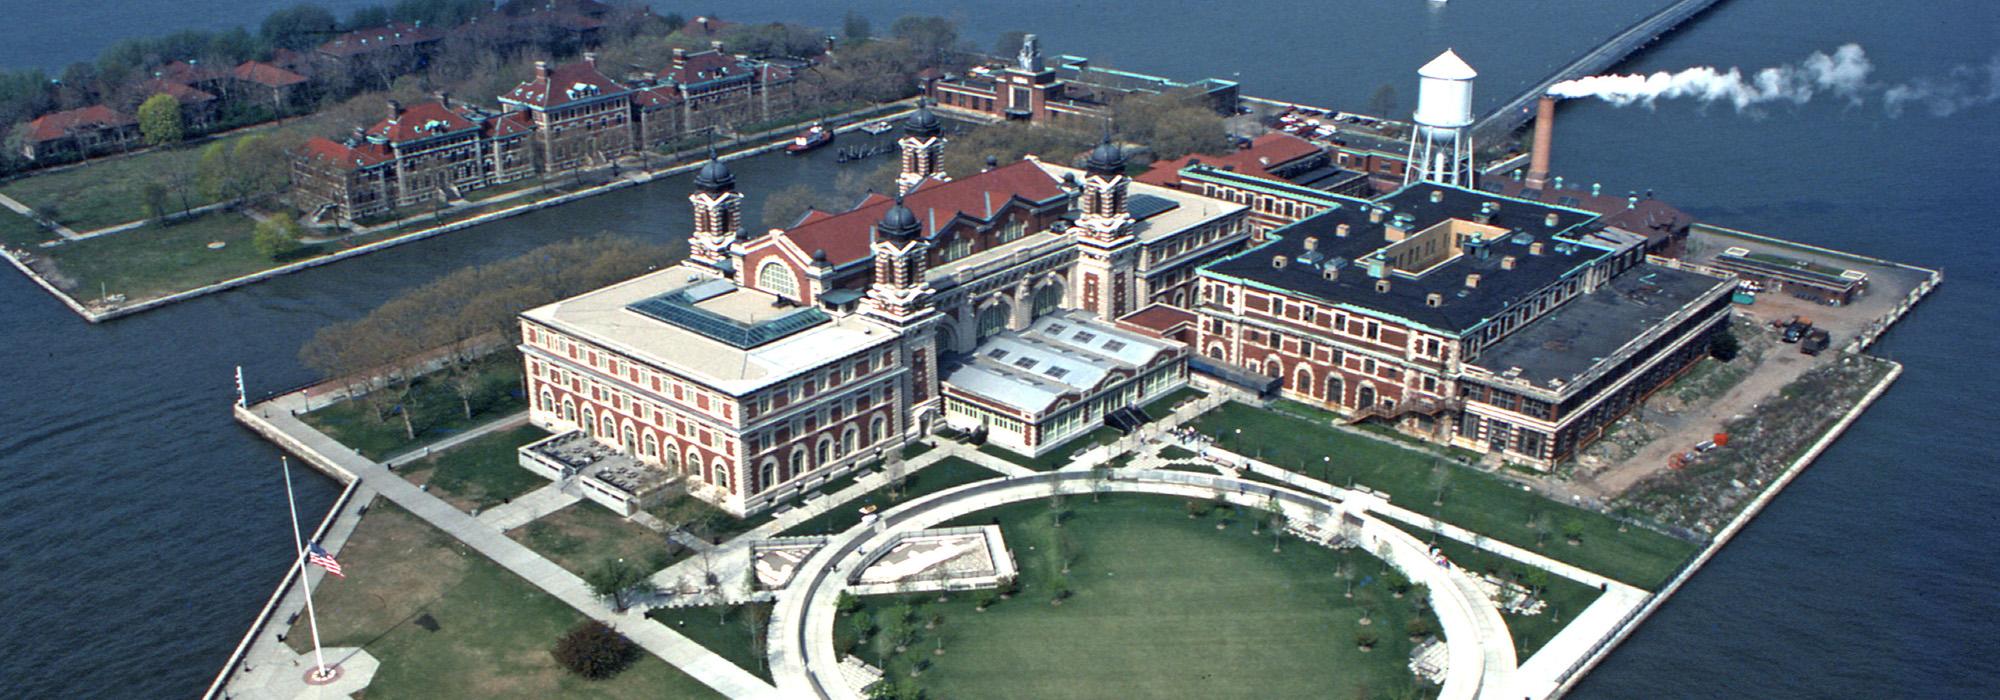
x,y
1816,341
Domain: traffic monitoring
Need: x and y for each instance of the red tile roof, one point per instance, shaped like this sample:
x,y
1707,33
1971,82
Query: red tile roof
x,y
343,156
393,34
654,97
420,121
180,92
185,72
845,237
1267,151
509,124
1158,319
56,125
266,74
562,87
703,65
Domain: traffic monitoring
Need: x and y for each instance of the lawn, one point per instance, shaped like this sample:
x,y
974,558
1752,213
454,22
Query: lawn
x,y
584,535
1160,407
482,473
154,260
1060,457
725,630
940,475
447,623
18,231
105,192
435,411
1473,500
1566,598
1163,606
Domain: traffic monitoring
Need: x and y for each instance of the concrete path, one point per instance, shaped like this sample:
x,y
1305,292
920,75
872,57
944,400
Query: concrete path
x,y
691,658
506,423
270,669
528,508
27,211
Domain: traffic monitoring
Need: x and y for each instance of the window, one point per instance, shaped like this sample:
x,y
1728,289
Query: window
x,y
776,278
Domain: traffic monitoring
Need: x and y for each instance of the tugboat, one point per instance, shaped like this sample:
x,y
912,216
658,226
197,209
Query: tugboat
x,y
814,137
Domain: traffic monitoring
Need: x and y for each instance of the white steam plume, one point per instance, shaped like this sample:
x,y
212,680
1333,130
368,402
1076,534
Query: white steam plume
x,y
1962,87
1844,73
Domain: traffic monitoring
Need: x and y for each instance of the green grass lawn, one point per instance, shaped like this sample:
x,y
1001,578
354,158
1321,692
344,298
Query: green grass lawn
x,y
435,411
154,261
940,475
725,630
1160,407
447,623
584,535
105,192
482,473
17,231
1164,606
1058,458
1473,500
1566,598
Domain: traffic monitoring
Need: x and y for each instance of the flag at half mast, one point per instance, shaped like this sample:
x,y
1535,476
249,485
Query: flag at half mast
x,y
318,557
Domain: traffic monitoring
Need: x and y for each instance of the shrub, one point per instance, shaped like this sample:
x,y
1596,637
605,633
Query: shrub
x,y
594,651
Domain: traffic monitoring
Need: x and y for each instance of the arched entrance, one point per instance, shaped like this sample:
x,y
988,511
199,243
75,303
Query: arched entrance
x,y
993,318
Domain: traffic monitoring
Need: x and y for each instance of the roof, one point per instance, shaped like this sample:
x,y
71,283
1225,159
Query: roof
x,y
343,156
564,84
1556,349
55,125
1159,212
418,122
1653,218
509,124
703,66
692,348
1069,354
1448,66
1268,151
1522,224
266,74
179,91
1158,319
187,72
845,237
393,34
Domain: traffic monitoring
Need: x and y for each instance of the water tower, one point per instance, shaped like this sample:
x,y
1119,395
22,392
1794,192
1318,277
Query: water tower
x,y
1441,145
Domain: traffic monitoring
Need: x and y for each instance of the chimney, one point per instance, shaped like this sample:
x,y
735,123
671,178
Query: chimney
x,y
1545,125
1381,285
1312,243
716,45
1433,300
1332,274
542,70
1632,201
1507,262
1341,230
1375,215
1437,196
1535,248
680,58
1550,220
1278,261
1472,281
395,110
1485,215
1596,188
444,98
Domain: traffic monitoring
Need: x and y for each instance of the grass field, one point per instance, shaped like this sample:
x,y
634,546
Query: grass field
x,y
435,411
1472,500
17,231
1163,606
482,473
583,535
105,192
447,623
154,260
725,630
941,475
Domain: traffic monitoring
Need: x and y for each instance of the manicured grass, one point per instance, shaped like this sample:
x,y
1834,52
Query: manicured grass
x,y
493,631
941,475
1059,458
1177,452
435,410
482,473
584,535
1160,407
106,192
725,630
154,260
1473,500
1162,606
1565,598
17,231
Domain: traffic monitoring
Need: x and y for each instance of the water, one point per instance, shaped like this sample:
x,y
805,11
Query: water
x,y
143,528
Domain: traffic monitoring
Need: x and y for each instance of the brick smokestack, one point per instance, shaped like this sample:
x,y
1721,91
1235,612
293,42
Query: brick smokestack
x,y
1545,126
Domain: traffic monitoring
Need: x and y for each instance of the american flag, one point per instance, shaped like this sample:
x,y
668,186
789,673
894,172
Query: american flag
x,y
318,556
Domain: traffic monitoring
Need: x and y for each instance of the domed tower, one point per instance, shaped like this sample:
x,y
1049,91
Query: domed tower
x,y
718,216
898,293
922,147
1441,144
1107,247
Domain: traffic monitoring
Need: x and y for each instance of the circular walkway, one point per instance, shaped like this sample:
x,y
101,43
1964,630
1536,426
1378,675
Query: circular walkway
x,y
805,664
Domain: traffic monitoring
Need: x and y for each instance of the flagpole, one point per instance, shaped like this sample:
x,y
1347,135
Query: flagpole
x,y
312,618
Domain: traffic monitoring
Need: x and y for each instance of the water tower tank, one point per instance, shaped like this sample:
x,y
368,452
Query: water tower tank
x,y
1444,93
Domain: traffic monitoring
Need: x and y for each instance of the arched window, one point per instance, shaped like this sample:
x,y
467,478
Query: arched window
x,y
548,400
651,444
1302,380
589,424
848,438
1218,352
1273,368
1335,390
825,451
630,441
569,410
798,461
694,466
1048,299
720,470
610,428
776,278
877,430
673,455
993,319
1364,397
769,475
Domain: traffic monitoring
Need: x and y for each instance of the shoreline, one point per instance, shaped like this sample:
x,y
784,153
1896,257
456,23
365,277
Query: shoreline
x,y
889,111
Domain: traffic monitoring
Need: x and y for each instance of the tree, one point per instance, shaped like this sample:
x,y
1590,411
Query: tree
x,y
1174,123
854,27
1275,516
154,194
160,120
297,27
1539,524
755,619
594,650
1440,480
212,173
1383,102
259,167
618,580
1725,347
933,40
277,236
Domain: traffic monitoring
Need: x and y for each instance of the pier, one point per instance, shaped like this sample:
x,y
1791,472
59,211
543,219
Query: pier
x,y
1613,51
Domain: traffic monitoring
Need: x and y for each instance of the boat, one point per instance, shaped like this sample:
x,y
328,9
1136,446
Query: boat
x,y
813,137
876,127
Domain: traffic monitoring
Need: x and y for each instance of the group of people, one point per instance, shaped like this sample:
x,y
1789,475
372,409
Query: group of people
x,y
1188,436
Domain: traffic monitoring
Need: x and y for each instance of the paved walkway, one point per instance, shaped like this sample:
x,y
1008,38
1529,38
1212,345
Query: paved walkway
x,y
270,669
528,508
691,658
64,231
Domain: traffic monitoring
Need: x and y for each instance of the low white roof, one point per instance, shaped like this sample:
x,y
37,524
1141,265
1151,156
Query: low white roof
x,y
1192,209
1067,354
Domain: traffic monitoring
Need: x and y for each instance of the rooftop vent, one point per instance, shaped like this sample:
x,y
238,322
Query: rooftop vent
x,y
1437,196
1485,215
1507,263
1312,243
1341,230
1535,248
1381,285
1331,273
1433,300
1278,261
1375,215
1550,220
1472,280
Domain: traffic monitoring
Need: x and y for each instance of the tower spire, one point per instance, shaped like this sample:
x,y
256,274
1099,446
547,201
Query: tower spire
x,y
718,216
922,146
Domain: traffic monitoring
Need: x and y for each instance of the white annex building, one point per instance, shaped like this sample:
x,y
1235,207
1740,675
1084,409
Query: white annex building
x,y
767,363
